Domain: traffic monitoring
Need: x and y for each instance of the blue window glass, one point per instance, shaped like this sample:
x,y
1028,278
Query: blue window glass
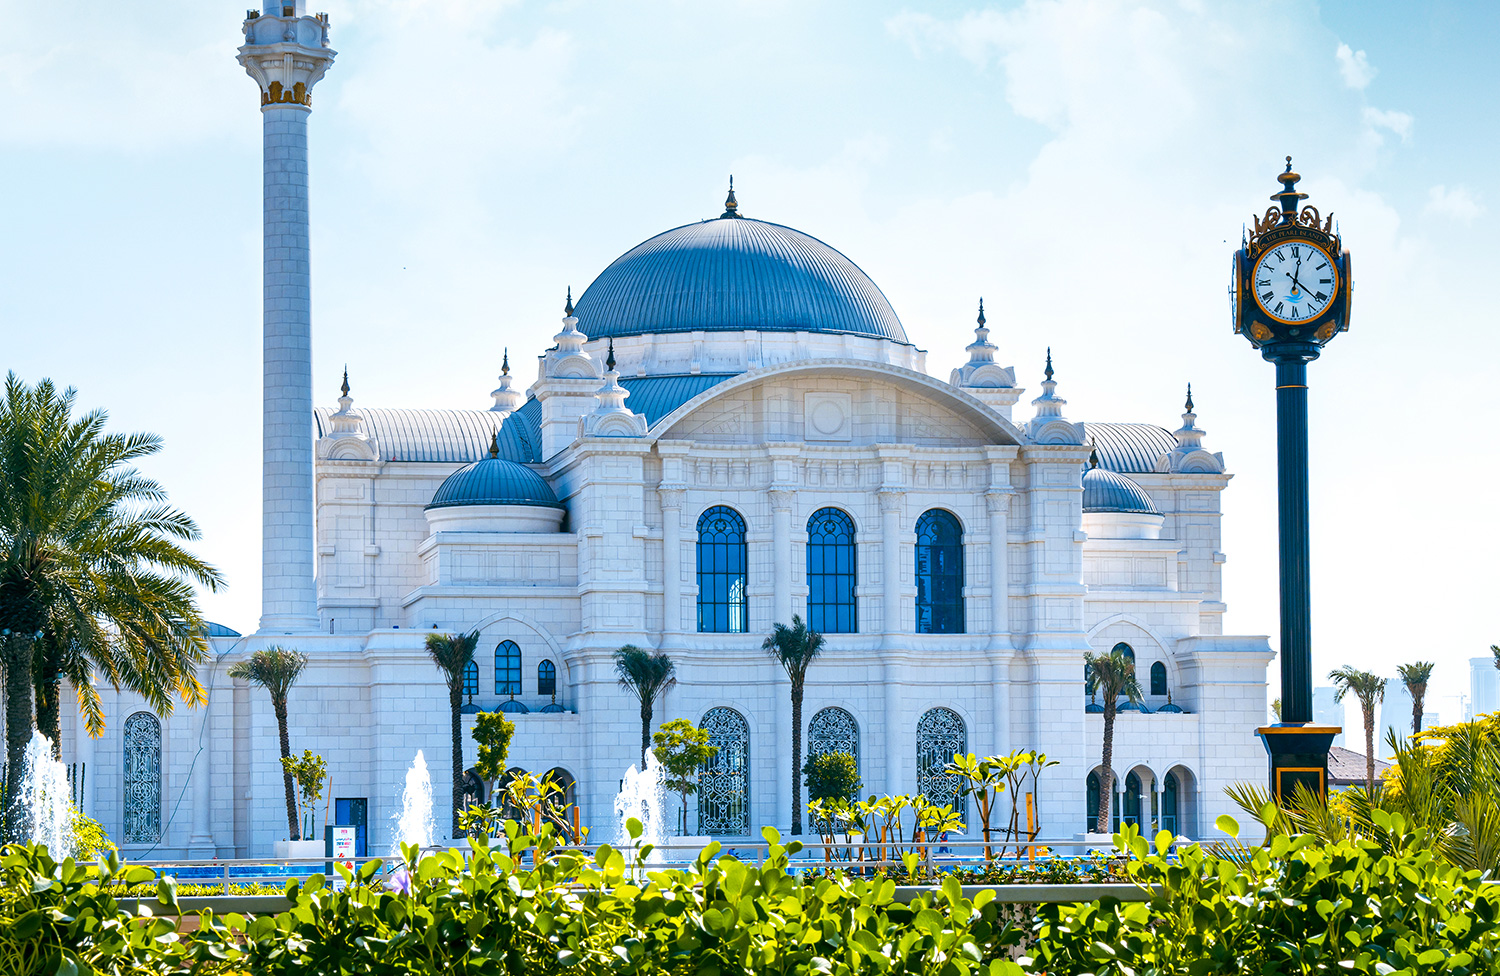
x,y
831,573
471,678
940,574
1126,650
546,678
507,669
1158,678
722,563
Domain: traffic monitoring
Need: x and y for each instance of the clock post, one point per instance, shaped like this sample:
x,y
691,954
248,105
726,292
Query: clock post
x,y
1290,294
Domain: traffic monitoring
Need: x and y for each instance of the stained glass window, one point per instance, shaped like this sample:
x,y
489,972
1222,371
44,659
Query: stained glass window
x,y
724,781
1158,678
722,563
940,574
142,779
546,678
508,668
940,735
831,573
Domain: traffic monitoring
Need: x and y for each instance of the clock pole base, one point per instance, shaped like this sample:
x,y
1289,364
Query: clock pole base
x,y
1298,754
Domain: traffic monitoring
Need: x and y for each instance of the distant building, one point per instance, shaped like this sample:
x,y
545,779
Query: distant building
x,y
1326,711
1484,686
1395,716
1346,768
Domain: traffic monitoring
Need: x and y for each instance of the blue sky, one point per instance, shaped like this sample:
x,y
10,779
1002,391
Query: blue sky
x,y
1085,166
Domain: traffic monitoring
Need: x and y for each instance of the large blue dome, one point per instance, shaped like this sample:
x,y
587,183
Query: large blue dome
x,y
730,275
494,481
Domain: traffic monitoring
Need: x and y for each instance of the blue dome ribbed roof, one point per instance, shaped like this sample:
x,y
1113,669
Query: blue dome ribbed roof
x,y
1106,491
730,275
494,481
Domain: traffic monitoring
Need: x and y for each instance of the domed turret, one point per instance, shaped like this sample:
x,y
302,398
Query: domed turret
x,y
494,495
1114,507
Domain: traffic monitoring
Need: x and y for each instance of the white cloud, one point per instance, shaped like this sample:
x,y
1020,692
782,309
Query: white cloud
x,y
1456,202
1397,122
1354,66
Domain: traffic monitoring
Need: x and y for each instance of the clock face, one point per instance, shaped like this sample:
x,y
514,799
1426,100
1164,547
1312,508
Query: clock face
x,y
1295,281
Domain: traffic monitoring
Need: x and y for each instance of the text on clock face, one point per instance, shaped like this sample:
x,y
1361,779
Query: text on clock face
x,y
1294,281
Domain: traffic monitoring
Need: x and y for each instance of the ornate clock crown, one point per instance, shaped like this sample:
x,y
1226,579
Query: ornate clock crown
x,y
1280,222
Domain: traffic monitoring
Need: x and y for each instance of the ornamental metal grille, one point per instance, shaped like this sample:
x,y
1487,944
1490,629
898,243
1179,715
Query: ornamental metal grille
x,y
142,779
722,559
471,679
508,668
831,573
833,730
546,678
724,781
940,574
940,734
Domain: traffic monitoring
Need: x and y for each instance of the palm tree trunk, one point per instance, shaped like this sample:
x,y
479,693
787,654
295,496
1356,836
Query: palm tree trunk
x,y
1369,715
1107,778
796,757
17,651
645,730
1416,711
455,702
295,831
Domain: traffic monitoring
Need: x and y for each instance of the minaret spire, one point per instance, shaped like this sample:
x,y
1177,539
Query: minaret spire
x,y
1049,426
507,400
286,55
1189,435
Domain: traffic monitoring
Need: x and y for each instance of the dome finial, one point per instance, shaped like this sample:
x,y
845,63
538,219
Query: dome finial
x,y
1190,398
609,361
1048,370
505,363
568,308
495,444
345,388
731,205
1094,458
980,320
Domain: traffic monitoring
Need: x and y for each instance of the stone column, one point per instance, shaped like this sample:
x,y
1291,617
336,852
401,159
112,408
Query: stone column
x,y
671,559
781,556
1000,647
890,552
201,841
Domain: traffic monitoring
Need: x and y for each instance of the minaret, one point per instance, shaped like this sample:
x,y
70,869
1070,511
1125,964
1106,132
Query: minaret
x,y
286,52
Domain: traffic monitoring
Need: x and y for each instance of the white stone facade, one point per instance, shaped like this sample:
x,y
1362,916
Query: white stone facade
x,y
637,437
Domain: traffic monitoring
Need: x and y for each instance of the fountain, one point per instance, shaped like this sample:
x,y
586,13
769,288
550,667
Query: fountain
x,y
641,797
44,795
413,825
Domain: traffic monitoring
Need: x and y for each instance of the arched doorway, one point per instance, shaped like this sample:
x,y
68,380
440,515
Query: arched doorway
x,y
724,781
940,734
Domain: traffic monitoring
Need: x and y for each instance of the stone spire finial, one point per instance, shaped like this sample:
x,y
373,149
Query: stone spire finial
x,y
1048,370
345,420
345,388
569,358
609,362
610,417
507,400
1049,405
495,443
1189,435
731,205
568,308
981,350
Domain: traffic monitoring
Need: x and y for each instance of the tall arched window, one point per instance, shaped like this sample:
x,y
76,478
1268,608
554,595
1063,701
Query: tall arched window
x,y
142,779
471,678
722,563
940,734
1169,790
1158,678
1091,802
831,573
1133,796
1126,650
508,668
724,781
546,678
833,730
940,574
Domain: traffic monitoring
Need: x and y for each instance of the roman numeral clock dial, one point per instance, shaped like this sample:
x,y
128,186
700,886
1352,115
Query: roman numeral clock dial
x,y
1294,282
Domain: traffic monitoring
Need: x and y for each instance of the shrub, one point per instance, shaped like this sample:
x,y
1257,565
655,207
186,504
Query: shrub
x,y
831,776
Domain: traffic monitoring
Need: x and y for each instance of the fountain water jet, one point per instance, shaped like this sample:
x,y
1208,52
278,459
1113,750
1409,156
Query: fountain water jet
x,y
641,797
46,799
413,825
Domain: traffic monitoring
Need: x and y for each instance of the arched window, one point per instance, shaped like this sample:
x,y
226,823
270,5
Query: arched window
x,y
1169,790
724,781
142,779
1126,650
722,563
546,678
940,574
471,679
1133,798
940,734
1158,678
1091,803
508,668
831,573
833,730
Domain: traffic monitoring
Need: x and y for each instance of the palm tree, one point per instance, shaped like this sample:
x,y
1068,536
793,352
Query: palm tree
x,y
795,648
1114,676
645,675
276,669
90,549
1415,678
1369,689
452,654
1495,650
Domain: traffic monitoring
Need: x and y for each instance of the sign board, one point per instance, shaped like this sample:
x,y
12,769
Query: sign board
x,y
338,841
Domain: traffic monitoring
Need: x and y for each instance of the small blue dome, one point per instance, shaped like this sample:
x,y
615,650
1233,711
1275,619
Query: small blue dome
x,y
494,481
1106,491
733,275
1130,706
1094,708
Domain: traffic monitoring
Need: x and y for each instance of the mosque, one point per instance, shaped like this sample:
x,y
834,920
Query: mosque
x,y
730,427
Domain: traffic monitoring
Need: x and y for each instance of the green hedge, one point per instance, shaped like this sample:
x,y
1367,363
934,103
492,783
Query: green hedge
x,y
1300,906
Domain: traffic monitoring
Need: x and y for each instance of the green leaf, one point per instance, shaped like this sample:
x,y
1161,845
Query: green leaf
x,y
1228,825
1431,957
